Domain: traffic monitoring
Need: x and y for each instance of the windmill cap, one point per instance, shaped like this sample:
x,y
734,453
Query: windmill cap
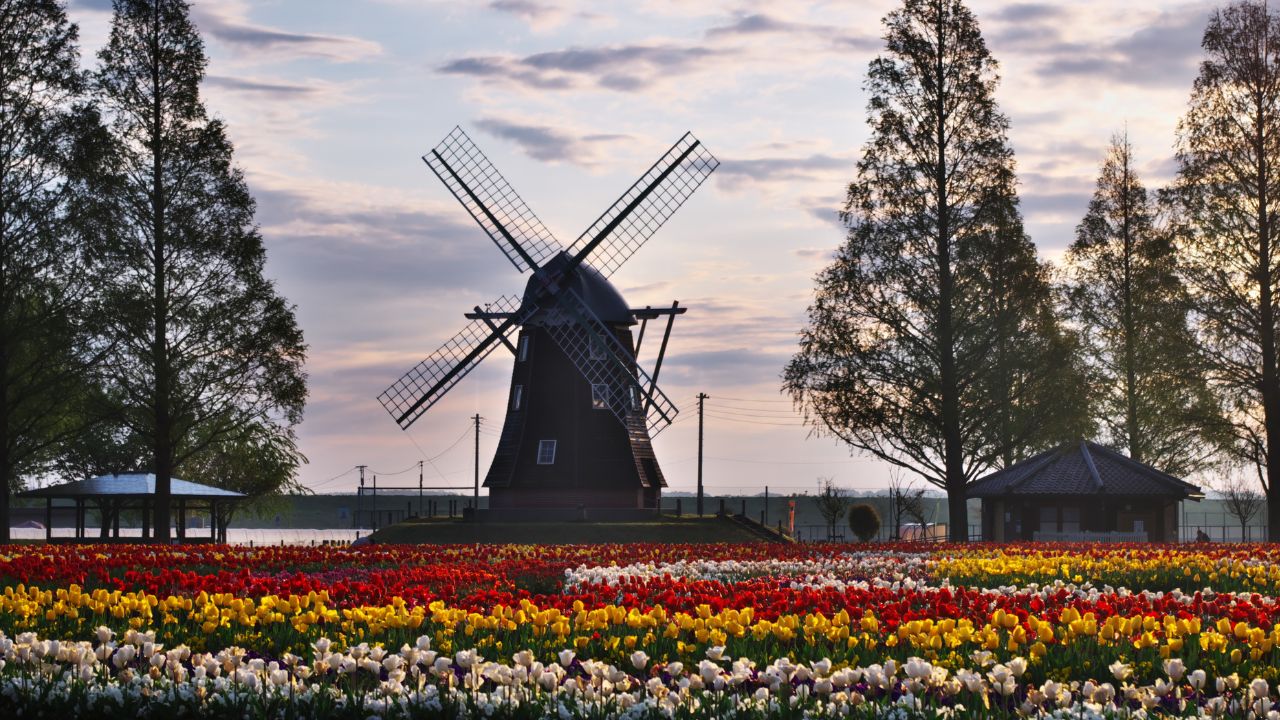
x,y
595,290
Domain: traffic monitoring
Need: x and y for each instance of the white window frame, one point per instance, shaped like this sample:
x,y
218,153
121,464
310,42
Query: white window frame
x,y
522,348
517,396
546,452
599,396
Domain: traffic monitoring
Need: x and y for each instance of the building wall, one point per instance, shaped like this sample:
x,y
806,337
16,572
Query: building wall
x,y
598,462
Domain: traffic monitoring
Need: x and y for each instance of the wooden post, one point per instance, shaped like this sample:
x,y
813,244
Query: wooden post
x,y
182,519
115,518
48,519
146,518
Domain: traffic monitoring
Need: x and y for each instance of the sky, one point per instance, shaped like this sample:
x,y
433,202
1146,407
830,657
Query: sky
x,y
332,103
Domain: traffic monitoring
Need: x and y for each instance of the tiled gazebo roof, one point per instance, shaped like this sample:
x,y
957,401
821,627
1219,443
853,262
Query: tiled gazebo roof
x,y
1083,468
128,485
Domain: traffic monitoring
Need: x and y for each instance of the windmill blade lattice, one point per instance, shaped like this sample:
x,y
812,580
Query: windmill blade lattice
x,y
595,351
420,388
491,200
645,206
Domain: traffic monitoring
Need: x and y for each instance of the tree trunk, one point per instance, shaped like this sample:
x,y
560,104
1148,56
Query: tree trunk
x,y
1267,334
1131,428
162,458
953,457
6,461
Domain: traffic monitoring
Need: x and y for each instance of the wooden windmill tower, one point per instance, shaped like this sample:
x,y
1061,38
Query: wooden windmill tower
x,y
581,411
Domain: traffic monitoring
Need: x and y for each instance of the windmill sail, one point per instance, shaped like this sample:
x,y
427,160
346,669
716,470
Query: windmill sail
x,y
595,351
491,200
417,390
645,206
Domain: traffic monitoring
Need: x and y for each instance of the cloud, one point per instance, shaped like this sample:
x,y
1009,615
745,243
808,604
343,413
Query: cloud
x,y
1162,53
754,25
1029,12
1048,205
549,144
623,68
227,22
757,24
810,253
331,250
278,89
735,172
539,15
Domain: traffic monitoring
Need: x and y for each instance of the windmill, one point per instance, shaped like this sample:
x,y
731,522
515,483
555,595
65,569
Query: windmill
x,y
581,412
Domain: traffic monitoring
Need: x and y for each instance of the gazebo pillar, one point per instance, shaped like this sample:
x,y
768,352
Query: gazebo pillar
x,y
115,518
182,518
48,519
146,518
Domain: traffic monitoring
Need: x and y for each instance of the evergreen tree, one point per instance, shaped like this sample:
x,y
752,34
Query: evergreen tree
x,y
929,343
205,345
1152,397
47,142
1035,384
1226,197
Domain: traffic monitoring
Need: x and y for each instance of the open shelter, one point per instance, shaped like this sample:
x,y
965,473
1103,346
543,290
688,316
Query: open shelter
x,y
1081,492
112,495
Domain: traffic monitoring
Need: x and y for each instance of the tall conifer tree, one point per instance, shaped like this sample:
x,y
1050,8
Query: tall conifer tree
x,y
1151,395
47,141
1226,197
936,283
206,347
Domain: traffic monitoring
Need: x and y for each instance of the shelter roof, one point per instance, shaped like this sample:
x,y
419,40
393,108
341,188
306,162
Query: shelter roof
x,y
1081,468
127,485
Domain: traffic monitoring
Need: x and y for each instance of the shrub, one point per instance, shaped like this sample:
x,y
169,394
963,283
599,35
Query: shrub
x,y
864,521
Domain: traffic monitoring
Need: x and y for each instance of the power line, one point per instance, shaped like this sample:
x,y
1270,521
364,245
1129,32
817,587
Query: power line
x,y
730,418
400,472
466,431
749,400
752,412
340,475
780,462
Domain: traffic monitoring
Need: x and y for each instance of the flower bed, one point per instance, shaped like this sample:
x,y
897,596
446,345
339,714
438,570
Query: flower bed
x,y
640,631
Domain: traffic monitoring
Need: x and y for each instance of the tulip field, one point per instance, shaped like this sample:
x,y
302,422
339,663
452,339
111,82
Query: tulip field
x,y
640,631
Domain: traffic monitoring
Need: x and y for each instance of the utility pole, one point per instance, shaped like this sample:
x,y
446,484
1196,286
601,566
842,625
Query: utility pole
x,y
702,397
419,488
359,496
477,478
764,514
373,504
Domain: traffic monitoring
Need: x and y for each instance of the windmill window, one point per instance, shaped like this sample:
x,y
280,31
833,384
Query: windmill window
x,y
546,452
522,350
517,396
635,397
599,396
597,351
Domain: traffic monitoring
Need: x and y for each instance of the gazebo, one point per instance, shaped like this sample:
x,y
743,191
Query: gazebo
x,y
114,494
1081,491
